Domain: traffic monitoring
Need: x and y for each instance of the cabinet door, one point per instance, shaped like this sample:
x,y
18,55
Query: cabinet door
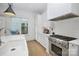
x,y
45,41
73,50
58,9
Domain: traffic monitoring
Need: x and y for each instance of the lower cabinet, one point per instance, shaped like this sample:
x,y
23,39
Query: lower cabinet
x,y
43,40
73,50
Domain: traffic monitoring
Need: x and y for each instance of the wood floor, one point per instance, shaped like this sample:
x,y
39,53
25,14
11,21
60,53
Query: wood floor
x,y
35,49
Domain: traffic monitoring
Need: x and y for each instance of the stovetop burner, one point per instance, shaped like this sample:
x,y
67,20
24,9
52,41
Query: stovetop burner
x,y
66,38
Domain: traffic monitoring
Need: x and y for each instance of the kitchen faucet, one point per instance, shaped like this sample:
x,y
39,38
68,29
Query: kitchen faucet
x,y
0,36
0,41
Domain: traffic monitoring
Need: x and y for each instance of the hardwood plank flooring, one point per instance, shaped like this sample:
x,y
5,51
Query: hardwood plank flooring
x,y
35,49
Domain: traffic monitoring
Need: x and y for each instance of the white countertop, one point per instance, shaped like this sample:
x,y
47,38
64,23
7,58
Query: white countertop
x,y
12,37
20,47
10,42
75,42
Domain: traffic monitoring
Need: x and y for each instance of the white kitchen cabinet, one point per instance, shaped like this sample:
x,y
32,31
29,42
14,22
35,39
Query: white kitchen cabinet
x,y
59,9
41,22
41,39
73,50
46,42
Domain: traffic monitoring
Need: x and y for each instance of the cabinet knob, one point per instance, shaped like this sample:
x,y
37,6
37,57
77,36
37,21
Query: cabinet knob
x,y
72,45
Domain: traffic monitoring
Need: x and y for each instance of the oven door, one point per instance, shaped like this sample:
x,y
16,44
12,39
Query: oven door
x,y
54,50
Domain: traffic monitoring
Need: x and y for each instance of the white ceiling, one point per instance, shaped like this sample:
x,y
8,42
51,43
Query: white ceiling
x,y
32,7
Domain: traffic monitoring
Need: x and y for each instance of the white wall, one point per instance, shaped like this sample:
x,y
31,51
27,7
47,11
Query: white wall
x,y
69,27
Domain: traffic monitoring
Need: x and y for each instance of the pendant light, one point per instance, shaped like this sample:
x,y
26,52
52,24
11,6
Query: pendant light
x,y
9,11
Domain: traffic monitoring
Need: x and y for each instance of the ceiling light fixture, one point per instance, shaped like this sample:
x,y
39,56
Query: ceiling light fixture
x,y
9,11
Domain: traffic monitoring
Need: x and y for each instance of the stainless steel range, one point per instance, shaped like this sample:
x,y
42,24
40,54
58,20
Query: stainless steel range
x,y
59,45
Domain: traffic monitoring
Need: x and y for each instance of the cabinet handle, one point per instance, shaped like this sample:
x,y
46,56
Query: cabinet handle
x,y
72,44
13,49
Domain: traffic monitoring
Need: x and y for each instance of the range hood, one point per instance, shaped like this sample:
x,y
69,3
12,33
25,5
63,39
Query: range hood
x,y
63,17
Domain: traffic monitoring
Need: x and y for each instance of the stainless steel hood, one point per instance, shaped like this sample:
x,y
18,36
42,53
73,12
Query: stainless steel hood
x,y
63,17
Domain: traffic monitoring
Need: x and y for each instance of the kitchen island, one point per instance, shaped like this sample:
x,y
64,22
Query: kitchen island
x,y
14,46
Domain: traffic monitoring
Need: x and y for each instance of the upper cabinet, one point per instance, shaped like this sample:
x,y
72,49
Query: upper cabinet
x,y
56,11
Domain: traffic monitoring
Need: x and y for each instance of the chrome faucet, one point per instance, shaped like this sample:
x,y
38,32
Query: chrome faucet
x,y
0,36
0,42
